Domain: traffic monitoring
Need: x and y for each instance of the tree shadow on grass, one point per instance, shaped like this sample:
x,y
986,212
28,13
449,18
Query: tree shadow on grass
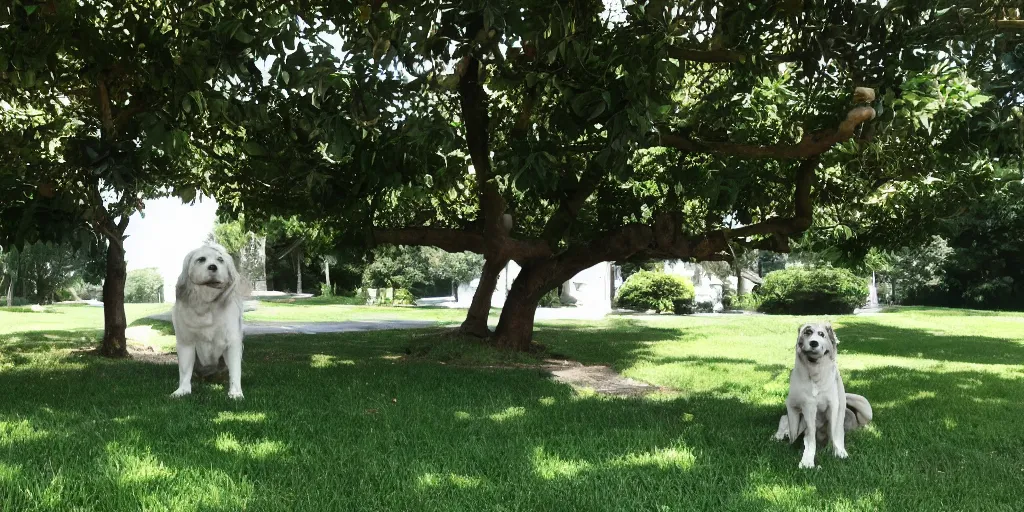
x,y
338,425
621,343
886,340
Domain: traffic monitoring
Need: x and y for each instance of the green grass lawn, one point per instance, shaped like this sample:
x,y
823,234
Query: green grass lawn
x,y
350,422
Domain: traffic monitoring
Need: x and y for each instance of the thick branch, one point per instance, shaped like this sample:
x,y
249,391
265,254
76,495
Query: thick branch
x,y
810,146
106,117
1010,25
570,205
473,102
451,240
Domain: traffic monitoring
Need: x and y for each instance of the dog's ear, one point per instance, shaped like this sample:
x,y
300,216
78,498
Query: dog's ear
x,y
832,339
182,288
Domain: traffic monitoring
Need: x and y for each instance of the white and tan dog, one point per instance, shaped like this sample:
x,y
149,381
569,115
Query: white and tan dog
x,y
818,406
207,318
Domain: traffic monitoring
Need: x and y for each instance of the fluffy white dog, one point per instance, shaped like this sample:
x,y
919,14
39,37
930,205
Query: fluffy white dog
x,y
818,406
207,317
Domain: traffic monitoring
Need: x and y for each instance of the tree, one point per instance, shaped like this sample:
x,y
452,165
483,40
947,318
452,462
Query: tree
x,y
144,285
107,104
454,268
560,138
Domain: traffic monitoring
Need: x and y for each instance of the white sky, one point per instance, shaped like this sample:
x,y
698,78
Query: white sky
x,y
169,231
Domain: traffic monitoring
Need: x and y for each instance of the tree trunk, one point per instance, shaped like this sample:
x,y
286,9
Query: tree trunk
x,y
298,272
476,320
327,273
515,327
10,292
114,321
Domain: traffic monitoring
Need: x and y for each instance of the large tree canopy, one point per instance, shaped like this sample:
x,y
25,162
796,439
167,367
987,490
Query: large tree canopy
x,y
563,134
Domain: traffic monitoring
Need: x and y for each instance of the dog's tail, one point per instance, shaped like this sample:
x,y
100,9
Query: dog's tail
x,y
858,412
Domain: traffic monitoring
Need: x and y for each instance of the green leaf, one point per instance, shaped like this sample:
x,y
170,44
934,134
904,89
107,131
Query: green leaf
x,y
243,36
254,149
208,9
29,9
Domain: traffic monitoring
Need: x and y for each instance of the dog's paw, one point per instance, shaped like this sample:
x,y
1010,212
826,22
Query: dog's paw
x,y
180,392
235,395
806,464
780,436
841,453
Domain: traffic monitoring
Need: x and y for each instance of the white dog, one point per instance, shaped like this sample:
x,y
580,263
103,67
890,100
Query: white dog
x,y
207,317
818,405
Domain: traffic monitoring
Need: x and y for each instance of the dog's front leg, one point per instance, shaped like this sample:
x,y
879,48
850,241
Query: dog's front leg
x,y
186,361
837,428
810,441
233,357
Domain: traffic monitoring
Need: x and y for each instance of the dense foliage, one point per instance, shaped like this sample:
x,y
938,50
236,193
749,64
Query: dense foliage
x,y
812,292
645,290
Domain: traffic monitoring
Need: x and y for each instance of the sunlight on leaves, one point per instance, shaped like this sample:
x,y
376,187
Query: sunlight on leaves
x,y
547,401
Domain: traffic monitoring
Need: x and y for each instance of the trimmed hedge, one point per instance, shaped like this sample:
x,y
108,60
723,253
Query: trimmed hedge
x,y
647,290
812,292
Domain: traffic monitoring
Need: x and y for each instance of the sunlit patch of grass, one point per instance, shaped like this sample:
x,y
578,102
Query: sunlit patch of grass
x,y
226,442
508,414
19,431
449,479
550,466
240,417
328,361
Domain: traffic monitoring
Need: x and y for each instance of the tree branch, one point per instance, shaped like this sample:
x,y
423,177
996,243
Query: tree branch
x,y
473,102
106,118
570,205
451,240
1010,25
809,146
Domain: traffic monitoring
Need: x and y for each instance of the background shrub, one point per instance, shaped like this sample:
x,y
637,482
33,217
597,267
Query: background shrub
x,y
551,299
812,292
647,290
403,297
705,306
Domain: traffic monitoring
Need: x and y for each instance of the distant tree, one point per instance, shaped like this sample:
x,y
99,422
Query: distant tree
x,y
108,103
144,285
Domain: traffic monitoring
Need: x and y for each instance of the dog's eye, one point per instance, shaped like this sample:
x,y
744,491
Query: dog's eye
x,y
821,334
220,260
202,259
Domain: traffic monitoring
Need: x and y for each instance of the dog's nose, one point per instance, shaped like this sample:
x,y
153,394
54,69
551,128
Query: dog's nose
x,y
212,268
814,344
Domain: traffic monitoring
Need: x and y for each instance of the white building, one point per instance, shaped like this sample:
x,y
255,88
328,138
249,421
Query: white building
x,y
592,289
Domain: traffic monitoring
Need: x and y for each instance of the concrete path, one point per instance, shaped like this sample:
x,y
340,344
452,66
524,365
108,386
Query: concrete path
x,y
258,328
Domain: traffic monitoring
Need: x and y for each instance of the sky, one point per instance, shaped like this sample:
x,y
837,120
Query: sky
x,y
168,232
